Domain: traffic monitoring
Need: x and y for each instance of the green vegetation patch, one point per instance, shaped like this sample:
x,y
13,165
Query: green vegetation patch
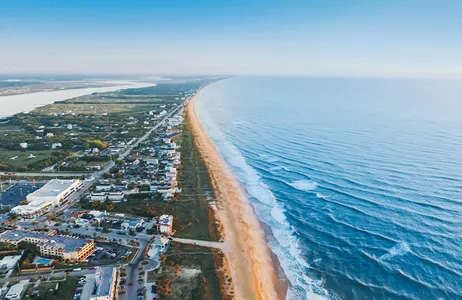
x,y
189,271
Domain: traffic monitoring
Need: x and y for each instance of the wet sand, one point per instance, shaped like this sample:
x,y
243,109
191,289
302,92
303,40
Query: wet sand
x,y
250,262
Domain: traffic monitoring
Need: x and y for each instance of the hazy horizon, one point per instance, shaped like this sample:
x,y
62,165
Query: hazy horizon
x,y
286,38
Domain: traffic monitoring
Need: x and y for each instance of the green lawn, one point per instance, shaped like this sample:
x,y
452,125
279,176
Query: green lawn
x,y
65,290
22,156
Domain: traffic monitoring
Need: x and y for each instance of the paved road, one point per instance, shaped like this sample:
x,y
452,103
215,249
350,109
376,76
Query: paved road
x,y
108,166
59,273
219,245
46,174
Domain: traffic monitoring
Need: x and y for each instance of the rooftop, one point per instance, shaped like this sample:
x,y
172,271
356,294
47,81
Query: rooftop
x,y
53,188
104,278
69,244
165,219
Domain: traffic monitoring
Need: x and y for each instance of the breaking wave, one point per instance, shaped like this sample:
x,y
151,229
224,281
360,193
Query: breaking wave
x,y
304,185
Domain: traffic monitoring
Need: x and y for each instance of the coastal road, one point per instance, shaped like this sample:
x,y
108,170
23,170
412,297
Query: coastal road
x,y
218,245
100,173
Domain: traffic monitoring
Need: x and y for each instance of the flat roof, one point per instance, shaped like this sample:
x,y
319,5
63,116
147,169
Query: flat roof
x,y
10,261
54,187
104,278
69,244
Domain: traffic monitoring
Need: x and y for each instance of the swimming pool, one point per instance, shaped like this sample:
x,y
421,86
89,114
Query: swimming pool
x,y
43,261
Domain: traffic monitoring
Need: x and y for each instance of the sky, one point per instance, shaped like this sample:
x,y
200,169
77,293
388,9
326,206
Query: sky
x,y
398,38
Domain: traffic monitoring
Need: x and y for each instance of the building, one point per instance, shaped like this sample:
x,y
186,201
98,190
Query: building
x,y
115,196
60,246
10,262
46,197
132,224
105,284
165,224
98,197
14,293
56,145
103,196
103,187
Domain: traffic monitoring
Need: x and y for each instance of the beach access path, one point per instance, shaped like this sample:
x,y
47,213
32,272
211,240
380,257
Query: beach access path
x,y
218,245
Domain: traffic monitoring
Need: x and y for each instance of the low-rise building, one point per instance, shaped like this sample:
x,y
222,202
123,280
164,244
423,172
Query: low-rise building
x,y
10,262
115,196
105,284
14,293
64,247
98,197
165,224
46,197
132,224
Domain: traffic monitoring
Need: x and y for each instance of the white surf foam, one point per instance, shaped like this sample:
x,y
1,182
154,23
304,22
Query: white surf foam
x,y
284,242
321,196
304,185
397,250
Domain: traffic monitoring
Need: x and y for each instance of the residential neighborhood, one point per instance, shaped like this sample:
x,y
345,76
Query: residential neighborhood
x,y
90,230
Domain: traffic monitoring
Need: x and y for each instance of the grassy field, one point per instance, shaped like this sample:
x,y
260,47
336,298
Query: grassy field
x,y
23,159
190,272
92,108
65,291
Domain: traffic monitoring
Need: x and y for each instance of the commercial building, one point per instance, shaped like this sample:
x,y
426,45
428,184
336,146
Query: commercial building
x,y
165,224
10,262
46,197
105,284
60,246
14,293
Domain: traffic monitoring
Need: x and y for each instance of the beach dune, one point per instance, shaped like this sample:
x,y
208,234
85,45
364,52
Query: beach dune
x,y
250,263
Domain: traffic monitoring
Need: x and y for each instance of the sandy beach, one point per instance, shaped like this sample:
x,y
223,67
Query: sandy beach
x,y
249,261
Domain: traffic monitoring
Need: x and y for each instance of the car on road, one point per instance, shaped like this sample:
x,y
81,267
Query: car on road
x,y
130,283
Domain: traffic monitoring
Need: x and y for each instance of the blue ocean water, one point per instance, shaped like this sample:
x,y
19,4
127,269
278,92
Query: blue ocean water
x,y
360,180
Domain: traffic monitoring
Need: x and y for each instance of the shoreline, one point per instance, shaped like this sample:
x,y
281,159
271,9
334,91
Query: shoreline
x,y
30,101
251,263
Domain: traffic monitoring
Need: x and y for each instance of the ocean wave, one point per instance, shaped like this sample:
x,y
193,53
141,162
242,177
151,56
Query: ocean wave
x,y
304,185
286,244
321,196
397,250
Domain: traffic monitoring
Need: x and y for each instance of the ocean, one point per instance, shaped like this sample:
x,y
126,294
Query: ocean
x,y
360,180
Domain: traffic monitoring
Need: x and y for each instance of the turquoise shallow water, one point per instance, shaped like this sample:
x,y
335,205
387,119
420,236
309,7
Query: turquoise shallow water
x,y
360,180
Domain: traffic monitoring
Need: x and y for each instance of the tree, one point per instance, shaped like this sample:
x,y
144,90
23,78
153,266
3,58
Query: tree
x,y
95,204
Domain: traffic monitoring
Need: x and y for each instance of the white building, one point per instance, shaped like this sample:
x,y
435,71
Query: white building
x,y
103,187
9,262
56,145
23,145
105,284
115,196
14,293
165,224
46,197
98,197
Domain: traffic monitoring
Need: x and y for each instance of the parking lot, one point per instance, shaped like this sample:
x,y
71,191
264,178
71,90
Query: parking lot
x,y
107,254
17,193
